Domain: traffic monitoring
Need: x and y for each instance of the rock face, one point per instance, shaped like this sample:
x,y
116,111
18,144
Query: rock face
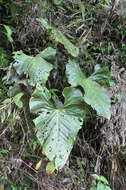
x,y
114,130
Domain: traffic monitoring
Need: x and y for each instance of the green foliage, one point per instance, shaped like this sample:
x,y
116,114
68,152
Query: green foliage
x,y
3,152
58,36
36,68
50,168
3,58
102,75
57,2
22,62
8,33
57,122
57,125
101,184
32,80
52,125
5,32
95,95
17,100
39,70
49,54
104,2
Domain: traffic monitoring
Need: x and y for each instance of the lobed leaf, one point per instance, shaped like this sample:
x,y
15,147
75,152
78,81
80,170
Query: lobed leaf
x,y
56,127
95,95
36,68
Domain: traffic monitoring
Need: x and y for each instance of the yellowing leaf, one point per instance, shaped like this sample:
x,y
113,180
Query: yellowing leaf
x,y
38,165
50,168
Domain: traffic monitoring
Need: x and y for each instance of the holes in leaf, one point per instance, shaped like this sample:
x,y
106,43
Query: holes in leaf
x,y
43,134
50,149
80,119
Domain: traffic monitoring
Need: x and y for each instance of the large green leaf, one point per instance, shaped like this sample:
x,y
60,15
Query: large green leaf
x,y
36,68
58,36
39,70
49,54
22,62
95,95
74,73
72,96
57,127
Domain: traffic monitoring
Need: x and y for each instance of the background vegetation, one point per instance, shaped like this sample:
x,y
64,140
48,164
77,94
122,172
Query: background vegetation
x,y
76,44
